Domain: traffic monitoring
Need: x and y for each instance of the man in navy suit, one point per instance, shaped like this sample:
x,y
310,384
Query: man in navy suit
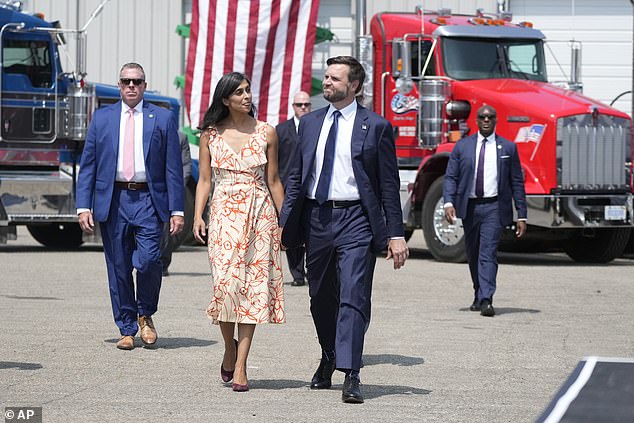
x,y
483,179
287,135
342,201
131,181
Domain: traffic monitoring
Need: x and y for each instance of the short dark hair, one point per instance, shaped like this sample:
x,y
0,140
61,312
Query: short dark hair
x,y
217,111
132,65
356,73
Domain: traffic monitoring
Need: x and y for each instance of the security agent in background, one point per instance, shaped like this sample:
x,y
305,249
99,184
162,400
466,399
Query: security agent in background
x,y
168,242
483,180
287,135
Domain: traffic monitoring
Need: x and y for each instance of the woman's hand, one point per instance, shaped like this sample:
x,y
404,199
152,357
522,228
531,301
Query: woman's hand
x,y
199,229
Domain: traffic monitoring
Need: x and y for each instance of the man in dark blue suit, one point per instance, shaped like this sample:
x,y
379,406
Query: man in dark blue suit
x,y
287,135
131,181
342,201
483,179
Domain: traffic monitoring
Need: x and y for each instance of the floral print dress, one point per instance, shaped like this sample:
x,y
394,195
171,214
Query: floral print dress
x,y
243,238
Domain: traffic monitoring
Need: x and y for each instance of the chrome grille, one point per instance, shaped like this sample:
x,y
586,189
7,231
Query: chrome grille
x,y
592,152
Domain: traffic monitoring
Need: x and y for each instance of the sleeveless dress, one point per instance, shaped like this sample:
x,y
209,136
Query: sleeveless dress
x,y
243,240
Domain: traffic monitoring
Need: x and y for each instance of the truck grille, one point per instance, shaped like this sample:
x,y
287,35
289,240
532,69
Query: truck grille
x,y
592,152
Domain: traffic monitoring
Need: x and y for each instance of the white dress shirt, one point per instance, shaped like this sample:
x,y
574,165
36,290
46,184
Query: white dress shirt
x,y
490,167
139,162
343,186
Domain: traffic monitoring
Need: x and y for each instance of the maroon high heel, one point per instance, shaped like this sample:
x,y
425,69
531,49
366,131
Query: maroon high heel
x,y
227,375
240,388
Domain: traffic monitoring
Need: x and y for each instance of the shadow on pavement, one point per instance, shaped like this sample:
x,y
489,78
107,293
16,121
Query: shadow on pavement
x,y
376,391
506,310
277,384
395,359
22,297
164,343
18,365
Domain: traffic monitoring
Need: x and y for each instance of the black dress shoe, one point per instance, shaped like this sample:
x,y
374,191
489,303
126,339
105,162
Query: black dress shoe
x,y
322,379
298,282
351,392
474,306
486,308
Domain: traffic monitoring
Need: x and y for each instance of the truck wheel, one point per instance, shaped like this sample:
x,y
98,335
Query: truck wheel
x,y
604,246
57,235
444,241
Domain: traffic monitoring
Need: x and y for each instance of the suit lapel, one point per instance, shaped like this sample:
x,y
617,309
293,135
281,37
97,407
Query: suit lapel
x,y
359,132
115,130
149,118
311,132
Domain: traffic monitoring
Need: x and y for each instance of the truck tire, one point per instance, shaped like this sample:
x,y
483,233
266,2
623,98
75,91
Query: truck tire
x,y
603,247
444,241
57,235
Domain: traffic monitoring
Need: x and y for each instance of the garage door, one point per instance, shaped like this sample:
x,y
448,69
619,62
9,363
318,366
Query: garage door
x,y
605,31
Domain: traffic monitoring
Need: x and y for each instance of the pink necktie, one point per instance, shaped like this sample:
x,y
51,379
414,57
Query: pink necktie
x,y
128,147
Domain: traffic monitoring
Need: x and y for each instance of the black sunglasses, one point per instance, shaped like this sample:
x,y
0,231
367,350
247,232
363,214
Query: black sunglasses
x,y
483,117
301,104
135,81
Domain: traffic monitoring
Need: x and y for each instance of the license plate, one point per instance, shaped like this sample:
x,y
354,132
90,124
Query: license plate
x,y
615,213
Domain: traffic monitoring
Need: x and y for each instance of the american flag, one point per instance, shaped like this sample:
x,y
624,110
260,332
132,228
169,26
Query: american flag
x,y
271,41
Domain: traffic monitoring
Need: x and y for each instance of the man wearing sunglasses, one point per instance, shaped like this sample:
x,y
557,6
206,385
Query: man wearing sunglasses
x,y
287,135
483,179
131,181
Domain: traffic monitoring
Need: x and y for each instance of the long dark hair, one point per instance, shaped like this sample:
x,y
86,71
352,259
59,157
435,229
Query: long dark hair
x,y
217,111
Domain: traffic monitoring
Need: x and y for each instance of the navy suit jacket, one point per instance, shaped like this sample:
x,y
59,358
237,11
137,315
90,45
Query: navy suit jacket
x,y
460,175
161,152
375,172
288,140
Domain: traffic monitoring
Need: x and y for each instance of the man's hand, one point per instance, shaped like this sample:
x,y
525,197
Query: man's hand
x,y
521,228
86,223
450,214
397,250
176,224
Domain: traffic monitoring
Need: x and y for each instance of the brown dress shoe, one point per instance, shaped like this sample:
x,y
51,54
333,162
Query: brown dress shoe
x,y
148,332
126,343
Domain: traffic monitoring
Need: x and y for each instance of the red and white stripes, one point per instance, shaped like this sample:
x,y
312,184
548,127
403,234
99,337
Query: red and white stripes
x,y
269,40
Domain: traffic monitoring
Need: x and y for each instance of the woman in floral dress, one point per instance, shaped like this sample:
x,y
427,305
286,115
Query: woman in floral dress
x,y
243,233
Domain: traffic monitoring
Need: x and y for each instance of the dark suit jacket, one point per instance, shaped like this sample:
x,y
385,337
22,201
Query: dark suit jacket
x,y
461,170
288,140
375,171
162,154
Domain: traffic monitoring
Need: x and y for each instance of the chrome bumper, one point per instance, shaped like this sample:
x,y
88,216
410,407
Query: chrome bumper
x,y
29,197
580,210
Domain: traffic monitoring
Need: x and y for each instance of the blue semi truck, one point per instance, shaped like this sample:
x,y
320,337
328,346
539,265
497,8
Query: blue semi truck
x,y
45,114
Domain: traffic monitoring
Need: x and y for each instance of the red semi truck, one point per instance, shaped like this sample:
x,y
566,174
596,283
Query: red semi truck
x,y
430,73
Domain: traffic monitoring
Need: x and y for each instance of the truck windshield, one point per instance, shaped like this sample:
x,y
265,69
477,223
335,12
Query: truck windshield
x,y
31,58
484,58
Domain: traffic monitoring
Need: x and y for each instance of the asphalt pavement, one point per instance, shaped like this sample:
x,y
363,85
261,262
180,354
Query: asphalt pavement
x,y
427,357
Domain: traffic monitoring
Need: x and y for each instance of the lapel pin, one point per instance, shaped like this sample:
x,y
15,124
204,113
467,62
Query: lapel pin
x,y
499,147
364,127
151,116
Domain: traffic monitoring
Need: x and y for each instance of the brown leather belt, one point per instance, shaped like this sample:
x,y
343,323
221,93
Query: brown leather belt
x,y
336,204
132,186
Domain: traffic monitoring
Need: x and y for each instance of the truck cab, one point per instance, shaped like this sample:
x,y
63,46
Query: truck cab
x,y
433,70
45,115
